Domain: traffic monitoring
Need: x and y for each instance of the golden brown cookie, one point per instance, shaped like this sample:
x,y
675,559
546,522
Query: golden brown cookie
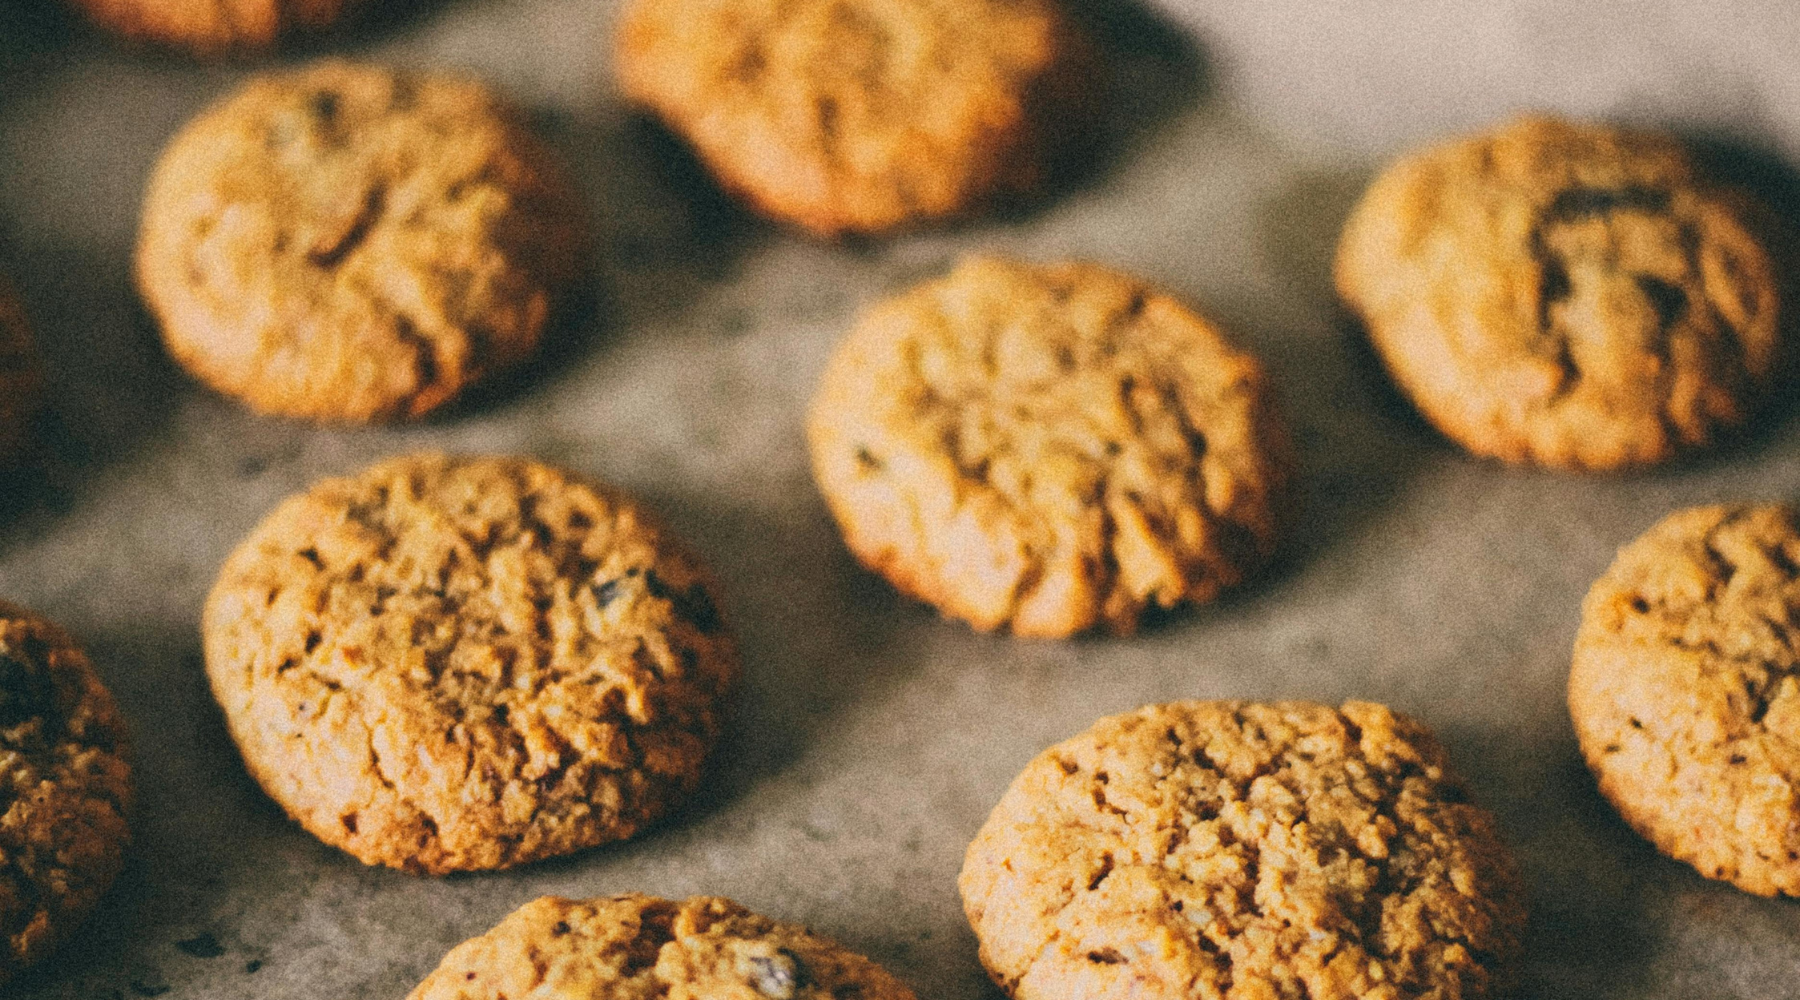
x,y
352,243
446,664
1048,448
1205,850
1685,691
859,115
1572,296
21,378
703,948
214,27
65,788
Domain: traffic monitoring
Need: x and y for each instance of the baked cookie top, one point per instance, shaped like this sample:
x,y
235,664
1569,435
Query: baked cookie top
x,y
65,788
1048,448
1210,849
858,115
468,663
214,27
21,377
703,948
1567,295
352,243
1685,691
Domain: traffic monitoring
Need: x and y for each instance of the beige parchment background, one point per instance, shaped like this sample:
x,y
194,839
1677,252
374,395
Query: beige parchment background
x,y
873,737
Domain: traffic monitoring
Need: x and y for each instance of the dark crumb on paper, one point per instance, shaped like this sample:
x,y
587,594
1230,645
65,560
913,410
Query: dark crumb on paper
x,y
202,946
252,965
144,989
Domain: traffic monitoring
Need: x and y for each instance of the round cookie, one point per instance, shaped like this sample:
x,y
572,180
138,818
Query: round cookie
x,y
445,664
860,115
1209,849
214,27
1048,448
21,378
1572,296
702,948
65,788
1685,691
352,243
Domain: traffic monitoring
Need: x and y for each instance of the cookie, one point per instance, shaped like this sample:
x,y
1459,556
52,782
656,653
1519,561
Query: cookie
x,y
861,116
21,378
1210,849
445,664
1685,691
703,948
65,788
1048,448
352,243
1565,295
214,27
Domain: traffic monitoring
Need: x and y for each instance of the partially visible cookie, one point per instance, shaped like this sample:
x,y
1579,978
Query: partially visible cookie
x,y
1566,295
1206,850
702,948
21,378
353,243
1685,691
860,115
65,788
1048,448
214,27
445,664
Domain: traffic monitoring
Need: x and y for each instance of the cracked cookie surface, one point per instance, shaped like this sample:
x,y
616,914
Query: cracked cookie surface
x,y
1244,851
446,664
636,947
1048,448
65,788
1685,691
1566,295
21,378
350,243
859,115
214,27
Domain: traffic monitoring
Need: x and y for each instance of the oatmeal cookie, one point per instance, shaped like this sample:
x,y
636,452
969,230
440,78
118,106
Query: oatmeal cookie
x,y
860,115
703,948
1048,448
65,788
352,243
21,378
211,28
1572,296
1205,850
1685,691
445,664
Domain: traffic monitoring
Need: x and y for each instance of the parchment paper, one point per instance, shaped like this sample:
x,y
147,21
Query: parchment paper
x,y
873,737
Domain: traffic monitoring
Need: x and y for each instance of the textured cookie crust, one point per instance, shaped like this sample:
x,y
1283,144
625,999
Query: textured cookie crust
x,y
1685,691
642,948
21,378
1048,448
350,243
1208,850
447,664
65,788
1567,295
859,115
214,27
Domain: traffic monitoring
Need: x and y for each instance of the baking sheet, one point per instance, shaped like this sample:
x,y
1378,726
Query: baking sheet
x,y
873,738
